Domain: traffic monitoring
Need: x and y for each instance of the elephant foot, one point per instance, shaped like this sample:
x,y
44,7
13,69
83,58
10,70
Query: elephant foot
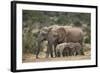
x,y
52,56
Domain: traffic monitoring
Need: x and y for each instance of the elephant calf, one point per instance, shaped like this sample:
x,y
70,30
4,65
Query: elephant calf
x,y
74,49
68,49
62,49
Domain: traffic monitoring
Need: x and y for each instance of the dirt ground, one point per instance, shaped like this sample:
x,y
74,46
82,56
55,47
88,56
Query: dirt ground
x,y
32,58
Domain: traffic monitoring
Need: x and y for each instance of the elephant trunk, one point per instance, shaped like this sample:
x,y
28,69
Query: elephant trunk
x,y
38,48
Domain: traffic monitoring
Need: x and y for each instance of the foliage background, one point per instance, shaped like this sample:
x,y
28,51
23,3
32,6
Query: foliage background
x,y
35,20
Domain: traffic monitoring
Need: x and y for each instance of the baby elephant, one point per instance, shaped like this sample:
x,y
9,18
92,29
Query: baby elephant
x,y
74,49
68,49
62,49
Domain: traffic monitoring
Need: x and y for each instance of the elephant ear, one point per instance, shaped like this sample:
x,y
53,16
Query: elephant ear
x,y
67,35
61,34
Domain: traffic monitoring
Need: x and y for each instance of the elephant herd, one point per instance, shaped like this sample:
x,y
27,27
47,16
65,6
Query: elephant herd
x,y
62,41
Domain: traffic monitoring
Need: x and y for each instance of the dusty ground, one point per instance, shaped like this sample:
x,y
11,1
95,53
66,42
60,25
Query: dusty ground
x,y
32,58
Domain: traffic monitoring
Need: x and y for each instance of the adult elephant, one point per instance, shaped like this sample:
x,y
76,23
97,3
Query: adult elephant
x,y
47,33
42,36
56,35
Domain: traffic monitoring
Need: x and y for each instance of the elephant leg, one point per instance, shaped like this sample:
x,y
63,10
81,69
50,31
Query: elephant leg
x,y
64,53
72,51
55,50
61,53
57,53
38,49
47,53
78,52
50,49
51,53
67,52
37,53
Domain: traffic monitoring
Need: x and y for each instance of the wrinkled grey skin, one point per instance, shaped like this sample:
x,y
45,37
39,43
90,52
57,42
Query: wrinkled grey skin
x,y
68,49
47,33
62,49
58,35
54,37
75,49
75,35
42,36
